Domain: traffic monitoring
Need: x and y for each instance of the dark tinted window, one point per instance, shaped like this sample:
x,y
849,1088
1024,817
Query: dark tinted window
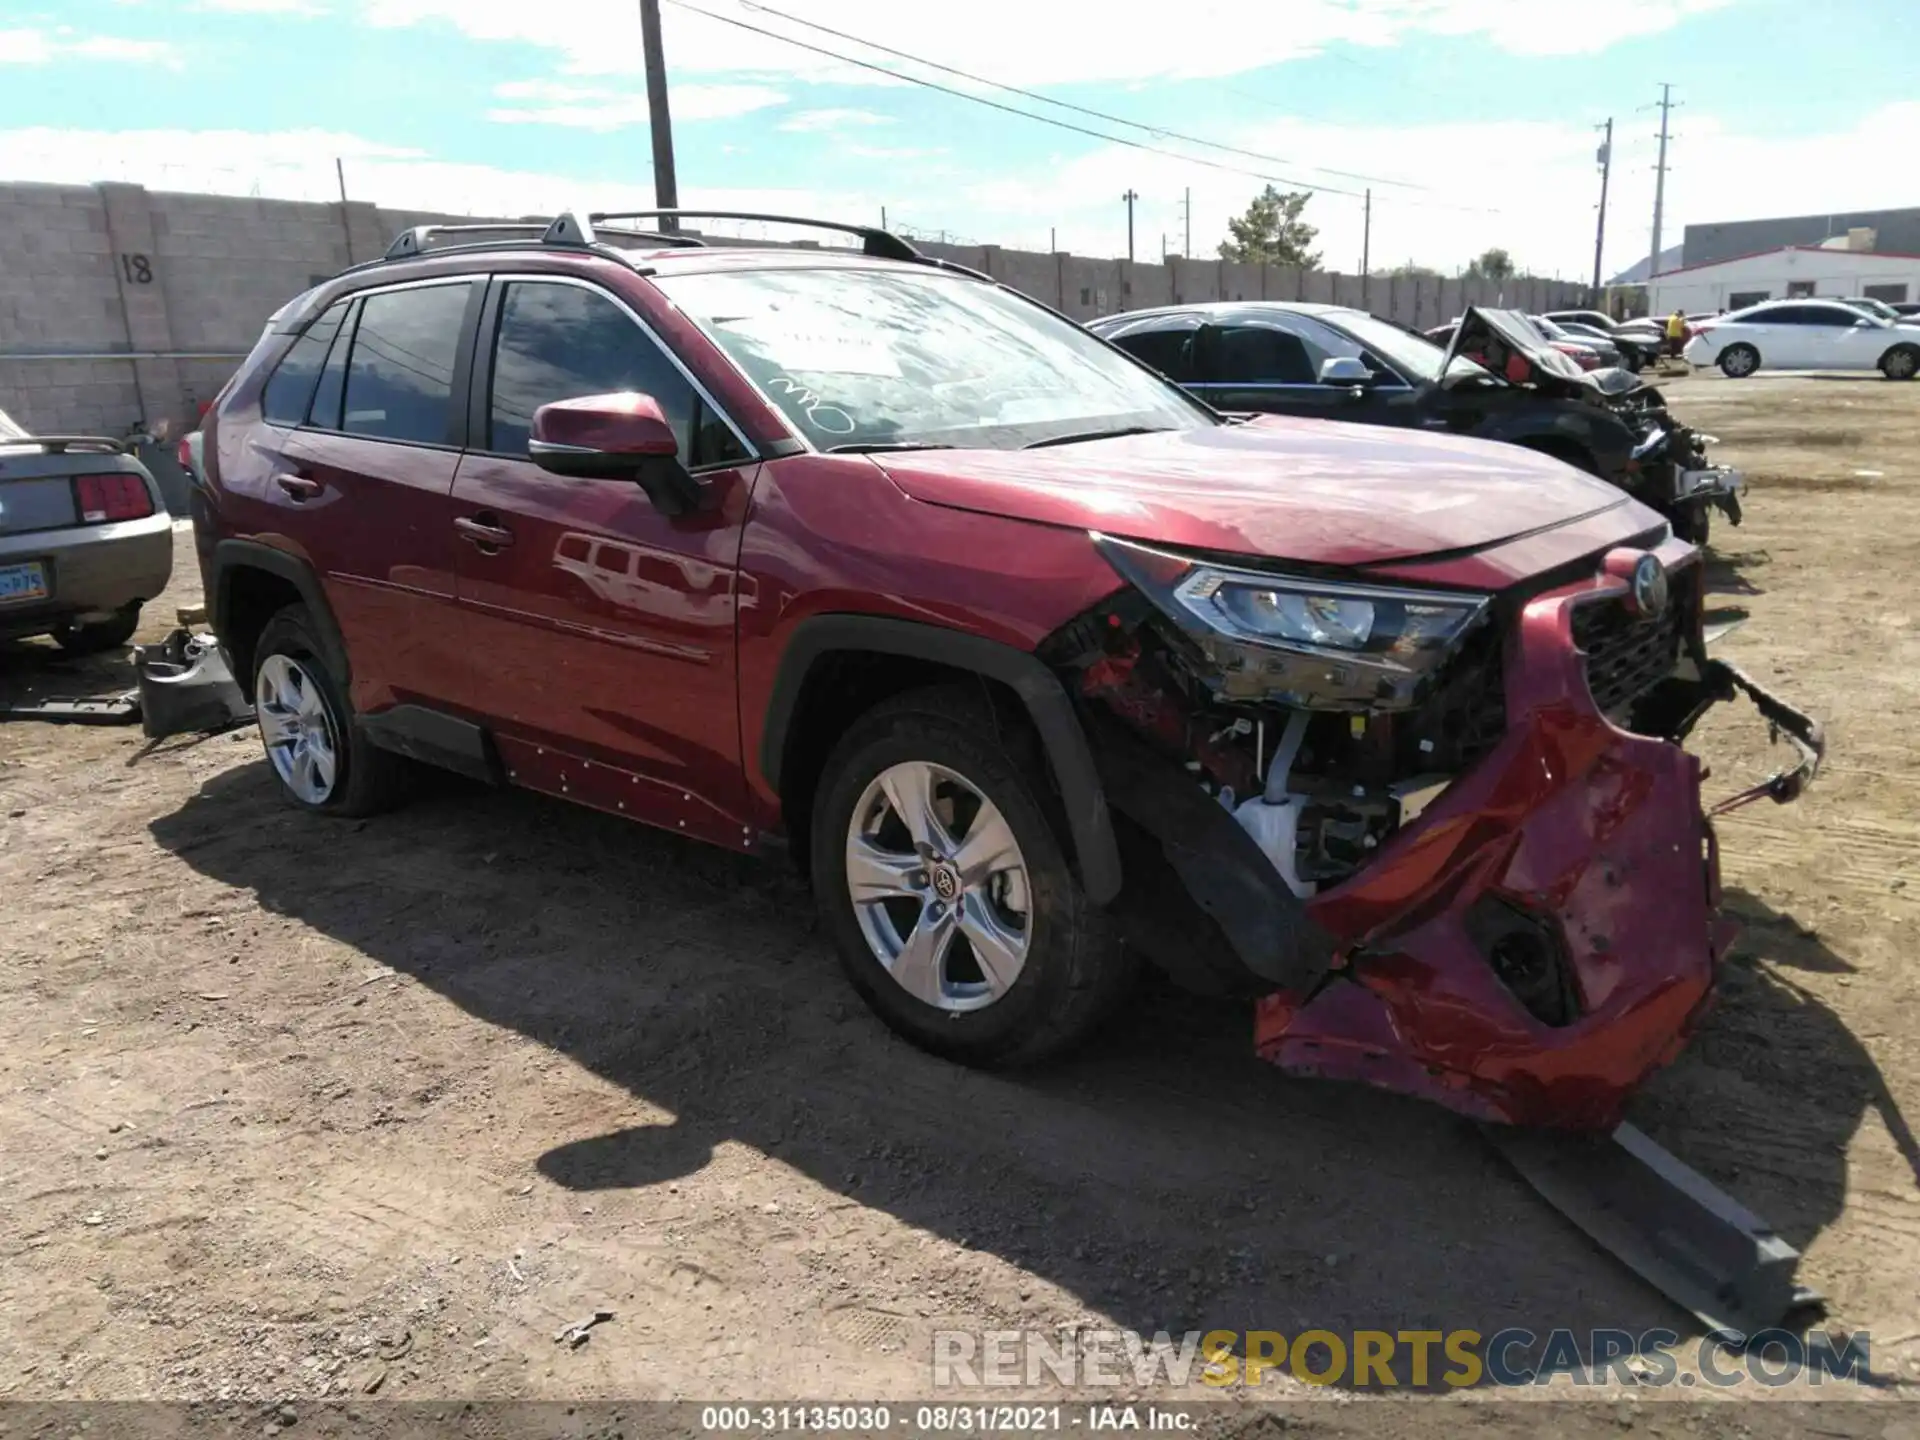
x,y
1165,350
325,411
400,370
1255,355
290,387
559,342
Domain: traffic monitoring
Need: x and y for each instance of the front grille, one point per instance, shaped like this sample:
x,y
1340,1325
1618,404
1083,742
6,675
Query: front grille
x,y
1627,655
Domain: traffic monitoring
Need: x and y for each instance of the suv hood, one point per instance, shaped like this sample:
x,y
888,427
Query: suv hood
x,y
1313,491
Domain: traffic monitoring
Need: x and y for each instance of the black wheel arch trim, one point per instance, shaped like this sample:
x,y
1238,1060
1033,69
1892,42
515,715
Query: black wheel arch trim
x,y
1047,704
230,556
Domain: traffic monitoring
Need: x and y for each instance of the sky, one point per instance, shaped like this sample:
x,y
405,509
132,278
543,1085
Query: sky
x,y
1472,122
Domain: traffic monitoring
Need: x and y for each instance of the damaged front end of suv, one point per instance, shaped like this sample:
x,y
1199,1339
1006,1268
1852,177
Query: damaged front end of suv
x,y
1450,836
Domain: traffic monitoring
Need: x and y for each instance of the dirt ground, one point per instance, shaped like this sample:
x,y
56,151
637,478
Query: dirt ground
x,y
294,1109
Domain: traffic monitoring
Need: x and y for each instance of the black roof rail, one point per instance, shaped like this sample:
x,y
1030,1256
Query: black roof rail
x,y
878,243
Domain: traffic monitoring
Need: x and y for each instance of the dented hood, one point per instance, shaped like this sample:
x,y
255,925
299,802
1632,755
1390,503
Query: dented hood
x,y
1313,491
1479,330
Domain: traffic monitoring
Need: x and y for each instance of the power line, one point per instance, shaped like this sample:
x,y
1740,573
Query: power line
x,y
1011,109
1157,130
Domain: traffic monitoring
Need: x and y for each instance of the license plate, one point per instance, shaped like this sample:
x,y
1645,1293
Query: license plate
x,y
23,582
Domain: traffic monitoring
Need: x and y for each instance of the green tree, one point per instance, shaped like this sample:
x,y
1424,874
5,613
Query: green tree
x,y
1494,264
1410,271
1272,232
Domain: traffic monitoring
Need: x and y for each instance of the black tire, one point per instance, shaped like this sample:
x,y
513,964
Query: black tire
x,y
367,779
102,635
1075,970
1902,362
1739,361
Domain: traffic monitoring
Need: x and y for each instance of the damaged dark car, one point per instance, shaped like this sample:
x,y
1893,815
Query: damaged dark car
x,y
1499,378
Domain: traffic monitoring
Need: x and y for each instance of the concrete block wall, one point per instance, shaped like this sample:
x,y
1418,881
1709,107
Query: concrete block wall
x,y
140,303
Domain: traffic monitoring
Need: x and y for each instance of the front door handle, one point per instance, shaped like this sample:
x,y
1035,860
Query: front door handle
x,y
297,487
482,532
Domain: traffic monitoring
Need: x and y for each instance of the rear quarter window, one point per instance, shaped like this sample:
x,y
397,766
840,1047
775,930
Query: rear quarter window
x,y
289,390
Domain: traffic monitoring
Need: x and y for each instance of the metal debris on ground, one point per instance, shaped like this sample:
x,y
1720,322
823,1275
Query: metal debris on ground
x,y
1679,1231
185,685
576,1334
77,710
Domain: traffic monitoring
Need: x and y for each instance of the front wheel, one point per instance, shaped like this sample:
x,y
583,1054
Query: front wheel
x,y
1900,363
1739,361
941,878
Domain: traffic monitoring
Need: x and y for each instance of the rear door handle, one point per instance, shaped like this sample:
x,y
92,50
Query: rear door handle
x,y
482,533
297,487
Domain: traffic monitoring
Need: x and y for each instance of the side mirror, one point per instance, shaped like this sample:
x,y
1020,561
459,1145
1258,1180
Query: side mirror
x,y
615,437
1344,370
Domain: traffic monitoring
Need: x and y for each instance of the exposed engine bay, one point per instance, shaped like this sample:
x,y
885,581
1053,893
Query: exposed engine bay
x,y
1272,773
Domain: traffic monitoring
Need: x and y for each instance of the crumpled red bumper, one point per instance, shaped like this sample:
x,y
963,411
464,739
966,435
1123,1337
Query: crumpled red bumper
x,y
1596,835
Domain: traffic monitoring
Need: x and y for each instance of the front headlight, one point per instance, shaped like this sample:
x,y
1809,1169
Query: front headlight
x,y
1300,641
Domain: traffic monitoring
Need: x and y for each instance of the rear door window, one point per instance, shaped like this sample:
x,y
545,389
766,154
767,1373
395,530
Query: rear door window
x,y
1166,348
1259,355
289,390
562,342
399,381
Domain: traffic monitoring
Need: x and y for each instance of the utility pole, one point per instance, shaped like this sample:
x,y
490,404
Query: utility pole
x,y
1660,180
346,224
1130,197
1366,249
666,190
1186,210
1600,234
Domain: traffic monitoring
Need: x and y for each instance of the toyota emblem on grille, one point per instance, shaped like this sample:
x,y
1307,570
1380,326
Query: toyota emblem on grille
x,y
1649,585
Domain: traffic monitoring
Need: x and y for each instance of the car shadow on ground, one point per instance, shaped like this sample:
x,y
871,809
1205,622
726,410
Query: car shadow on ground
x,y
1771,1039
1162,1175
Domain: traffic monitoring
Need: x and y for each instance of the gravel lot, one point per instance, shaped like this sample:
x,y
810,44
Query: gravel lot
x,y
292,1109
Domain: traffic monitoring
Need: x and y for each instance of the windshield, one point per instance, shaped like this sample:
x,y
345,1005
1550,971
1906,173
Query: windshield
x,y
9,430
1414,356
859,358
1877,308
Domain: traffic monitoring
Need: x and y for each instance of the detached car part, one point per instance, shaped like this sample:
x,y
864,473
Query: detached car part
x,y
185,686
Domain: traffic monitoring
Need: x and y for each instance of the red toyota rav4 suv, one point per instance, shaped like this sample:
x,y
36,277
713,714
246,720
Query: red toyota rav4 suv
x,y
1039,664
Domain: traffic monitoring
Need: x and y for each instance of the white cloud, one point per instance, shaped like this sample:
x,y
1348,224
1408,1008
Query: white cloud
x,y
808,121
298,165
1063,42
41,47
593,107
263,7
1540,177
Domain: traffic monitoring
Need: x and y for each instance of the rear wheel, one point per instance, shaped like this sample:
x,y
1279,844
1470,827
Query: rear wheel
x,y
1900,363
101,635
1739,361
939,873
322,759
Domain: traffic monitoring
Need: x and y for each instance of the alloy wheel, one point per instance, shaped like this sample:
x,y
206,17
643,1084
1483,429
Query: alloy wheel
x,y
939,886
296,728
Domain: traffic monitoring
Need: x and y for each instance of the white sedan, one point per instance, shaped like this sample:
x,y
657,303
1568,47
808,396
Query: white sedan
x,y
1805,335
